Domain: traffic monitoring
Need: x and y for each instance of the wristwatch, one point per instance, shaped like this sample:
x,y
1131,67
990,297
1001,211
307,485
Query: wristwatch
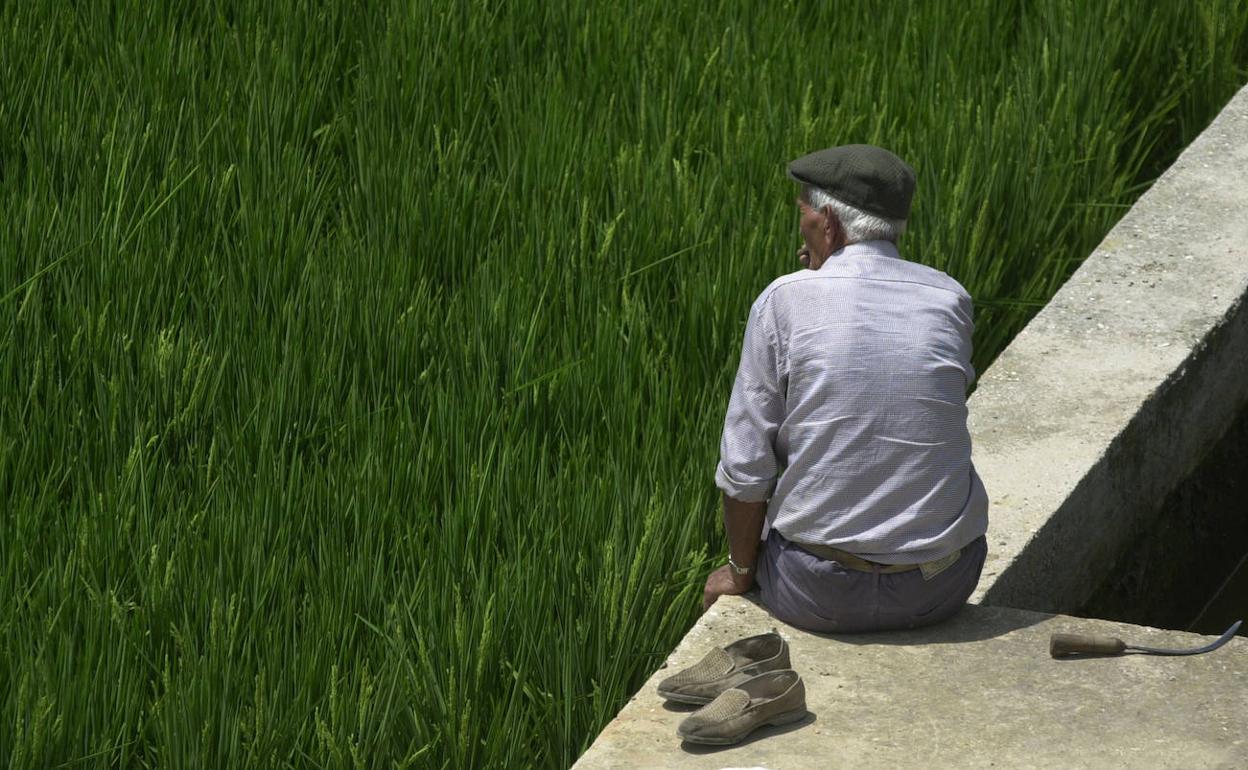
x,y
737,569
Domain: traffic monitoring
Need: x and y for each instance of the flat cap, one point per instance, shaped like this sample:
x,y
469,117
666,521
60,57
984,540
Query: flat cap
x,y
870,178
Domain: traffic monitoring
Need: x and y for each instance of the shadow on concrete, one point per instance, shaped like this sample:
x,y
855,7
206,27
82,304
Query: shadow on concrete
x,y
760,734
973,623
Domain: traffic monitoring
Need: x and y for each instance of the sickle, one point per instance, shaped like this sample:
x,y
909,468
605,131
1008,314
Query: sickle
x,y
1063,645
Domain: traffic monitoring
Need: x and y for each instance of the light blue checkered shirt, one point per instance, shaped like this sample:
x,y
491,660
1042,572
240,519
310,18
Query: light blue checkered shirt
x,y
849,409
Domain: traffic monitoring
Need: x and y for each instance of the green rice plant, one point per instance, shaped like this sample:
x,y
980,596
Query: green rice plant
x,y
362,368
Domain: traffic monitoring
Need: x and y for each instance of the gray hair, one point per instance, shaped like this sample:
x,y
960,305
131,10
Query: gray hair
x,y
859,225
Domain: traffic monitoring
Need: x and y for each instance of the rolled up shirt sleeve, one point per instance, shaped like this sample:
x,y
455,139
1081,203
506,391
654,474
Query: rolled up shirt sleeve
x,y
748,467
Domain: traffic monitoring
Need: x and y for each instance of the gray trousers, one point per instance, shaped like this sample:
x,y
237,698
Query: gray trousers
x,y
821,595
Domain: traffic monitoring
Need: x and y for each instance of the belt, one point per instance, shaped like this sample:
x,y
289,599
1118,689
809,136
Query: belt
x,y
846,559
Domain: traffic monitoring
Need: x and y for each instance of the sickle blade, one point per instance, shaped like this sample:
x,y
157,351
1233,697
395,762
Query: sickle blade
x,y
1221,640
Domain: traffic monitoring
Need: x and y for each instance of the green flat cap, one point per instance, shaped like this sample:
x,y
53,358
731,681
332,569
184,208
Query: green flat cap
x,y
870,178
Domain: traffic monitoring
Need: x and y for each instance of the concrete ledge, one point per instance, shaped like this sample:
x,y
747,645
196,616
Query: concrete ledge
x,y
978,691
1111,395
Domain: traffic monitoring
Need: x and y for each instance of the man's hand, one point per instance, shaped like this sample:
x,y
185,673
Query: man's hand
x,y
722,581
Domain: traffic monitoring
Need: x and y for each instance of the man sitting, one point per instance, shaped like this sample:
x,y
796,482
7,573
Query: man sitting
x,y
845,451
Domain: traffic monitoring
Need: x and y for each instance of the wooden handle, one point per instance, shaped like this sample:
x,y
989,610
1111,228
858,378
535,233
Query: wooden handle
x,y
1061,645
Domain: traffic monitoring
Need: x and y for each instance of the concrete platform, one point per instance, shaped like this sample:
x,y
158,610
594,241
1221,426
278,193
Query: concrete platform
x,y
978,691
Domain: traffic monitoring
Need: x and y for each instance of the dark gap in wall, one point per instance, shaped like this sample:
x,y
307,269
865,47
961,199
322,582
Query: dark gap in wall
x,y
1188,571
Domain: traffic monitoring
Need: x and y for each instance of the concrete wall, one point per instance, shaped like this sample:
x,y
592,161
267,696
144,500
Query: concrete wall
x,y
1115,391
1167,575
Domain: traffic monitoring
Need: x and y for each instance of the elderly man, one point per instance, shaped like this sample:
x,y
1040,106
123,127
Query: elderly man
x,y
845,462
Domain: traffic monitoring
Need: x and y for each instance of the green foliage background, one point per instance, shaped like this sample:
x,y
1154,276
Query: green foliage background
x,y
362,365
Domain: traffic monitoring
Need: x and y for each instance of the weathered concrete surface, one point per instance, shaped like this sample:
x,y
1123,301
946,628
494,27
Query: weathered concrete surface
x,y
1110,396
978,691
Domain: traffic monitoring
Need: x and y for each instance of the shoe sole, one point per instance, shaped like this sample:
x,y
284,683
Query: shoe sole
x,y
787,718
696,700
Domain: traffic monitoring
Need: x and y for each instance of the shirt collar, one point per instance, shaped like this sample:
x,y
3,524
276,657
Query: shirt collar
x,y
865,249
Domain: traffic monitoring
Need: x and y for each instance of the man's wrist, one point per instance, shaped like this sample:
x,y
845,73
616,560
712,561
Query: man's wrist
x,y
742,574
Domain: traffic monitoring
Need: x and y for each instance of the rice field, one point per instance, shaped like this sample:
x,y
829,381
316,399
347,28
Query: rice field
x,y
362,366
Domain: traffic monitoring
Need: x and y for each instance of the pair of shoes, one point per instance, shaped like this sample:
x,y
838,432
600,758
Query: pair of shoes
x,y
746,685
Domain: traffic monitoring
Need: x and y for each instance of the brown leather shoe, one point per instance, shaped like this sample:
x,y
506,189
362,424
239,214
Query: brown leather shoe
x,y
726,667
773,698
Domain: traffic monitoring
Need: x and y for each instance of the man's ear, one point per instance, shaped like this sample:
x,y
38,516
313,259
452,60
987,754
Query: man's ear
x,y
832,229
